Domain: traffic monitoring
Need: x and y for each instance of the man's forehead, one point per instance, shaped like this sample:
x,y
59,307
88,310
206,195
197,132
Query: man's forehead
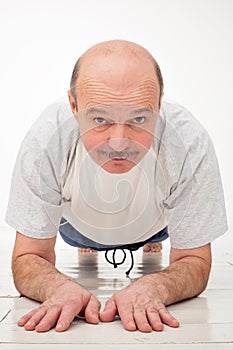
x,y
116,78
92,92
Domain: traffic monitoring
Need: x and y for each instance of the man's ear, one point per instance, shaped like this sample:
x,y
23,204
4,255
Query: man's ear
x,y
72,103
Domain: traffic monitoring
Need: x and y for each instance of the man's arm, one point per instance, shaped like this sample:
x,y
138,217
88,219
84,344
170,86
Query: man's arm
x,y
141,305
188,273
35,276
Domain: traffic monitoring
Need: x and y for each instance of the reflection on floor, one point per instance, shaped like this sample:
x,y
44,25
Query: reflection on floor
x,y
206,321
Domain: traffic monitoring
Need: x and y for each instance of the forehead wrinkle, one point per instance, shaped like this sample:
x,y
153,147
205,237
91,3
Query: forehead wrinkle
x,y
93,84
95,92
136,99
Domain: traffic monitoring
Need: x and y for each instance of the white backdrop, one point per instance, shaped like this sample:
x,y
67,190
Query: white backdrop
x,y
40,40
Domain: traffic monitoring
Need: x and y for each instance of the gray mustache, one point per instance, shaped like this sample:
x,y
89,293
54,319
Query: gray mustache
x,y
116,154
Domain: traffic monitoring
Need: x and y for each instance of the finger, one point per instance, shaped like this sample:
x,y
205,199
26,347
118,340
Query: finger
x,y
49,319
127,316
109,312
167,318
92,310
67,315
141,320
154,319
24,319
35,319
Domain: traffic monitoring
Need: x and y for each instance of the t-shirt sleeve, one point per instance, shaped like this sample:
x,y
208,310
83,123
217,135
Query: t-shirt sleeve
x,y
195,206
35,201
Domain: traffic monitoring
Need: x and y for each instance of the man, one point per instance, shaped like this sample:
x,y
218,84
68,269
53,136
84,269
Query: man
x,y
123,170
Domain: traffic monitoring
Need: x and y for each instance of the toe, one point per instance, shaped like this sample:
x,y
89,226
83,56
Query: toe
x,y
153,247
86,250
156,247
146,248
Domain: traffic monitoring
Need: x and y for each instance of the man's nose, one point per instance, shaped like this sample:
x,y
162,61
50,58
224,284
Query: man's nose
x,y
118,138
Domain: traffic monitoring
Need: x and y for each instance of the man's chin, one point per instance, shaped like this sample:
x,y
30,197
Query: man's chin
x,y
118,166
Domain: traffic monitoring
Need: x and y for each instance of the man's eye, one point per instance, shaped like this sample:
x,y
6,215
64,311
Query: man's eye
x,y
99,120
139,120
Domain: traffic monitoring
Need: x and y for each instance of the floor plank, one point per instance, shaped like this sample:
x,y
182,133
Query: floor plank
x,y
211,346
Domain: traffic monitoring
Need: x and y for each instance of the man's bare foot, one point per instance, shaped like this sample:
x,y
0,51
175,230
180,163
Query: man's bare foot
x,y
86,250
149,247
153,247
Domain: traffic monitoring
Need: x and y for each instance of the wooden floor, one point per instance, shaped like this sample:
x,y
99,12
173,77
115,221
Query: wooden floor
x,y
206,321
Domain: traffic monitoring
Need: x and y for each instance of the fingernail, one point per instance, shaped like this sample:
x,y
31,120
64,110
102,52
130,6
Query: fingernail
x,y
60,326
30,325
175,323
131,324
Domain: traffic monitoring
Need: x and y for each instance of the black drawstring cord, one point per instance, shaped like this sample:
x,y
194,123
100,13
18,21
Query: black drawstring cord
x,y
115,264
132,263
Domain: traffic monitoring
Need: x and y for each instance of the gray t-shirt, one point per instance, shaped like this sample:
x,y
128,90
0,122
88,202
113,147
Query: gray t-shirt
x,y
182,182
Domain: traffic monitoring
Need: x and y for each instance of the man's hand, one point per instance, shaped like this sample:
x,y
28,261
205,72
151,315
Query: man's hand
x,y
59,310
142,304
140,307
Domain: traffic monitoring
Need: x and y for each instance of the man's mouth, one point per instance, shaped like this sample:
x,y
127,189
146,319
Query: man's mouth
x,y
122,155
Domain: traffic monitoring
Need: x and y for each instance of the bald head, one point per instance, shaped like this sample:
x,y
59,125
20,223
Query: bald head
x,y
119,47
115,58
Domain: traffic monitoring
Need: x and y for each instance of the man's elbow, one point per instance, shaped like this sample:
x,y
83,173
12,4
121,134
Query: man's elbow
x,y
204,274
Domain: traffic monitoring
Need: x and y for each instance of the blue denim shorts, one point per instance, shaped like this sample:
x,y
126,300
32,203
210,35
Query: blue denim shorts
x,y
74,238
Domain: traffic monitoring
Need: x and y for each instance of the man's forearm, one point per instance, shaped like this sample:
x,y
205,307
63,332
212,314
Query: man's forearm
x,y
35,277
181,280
